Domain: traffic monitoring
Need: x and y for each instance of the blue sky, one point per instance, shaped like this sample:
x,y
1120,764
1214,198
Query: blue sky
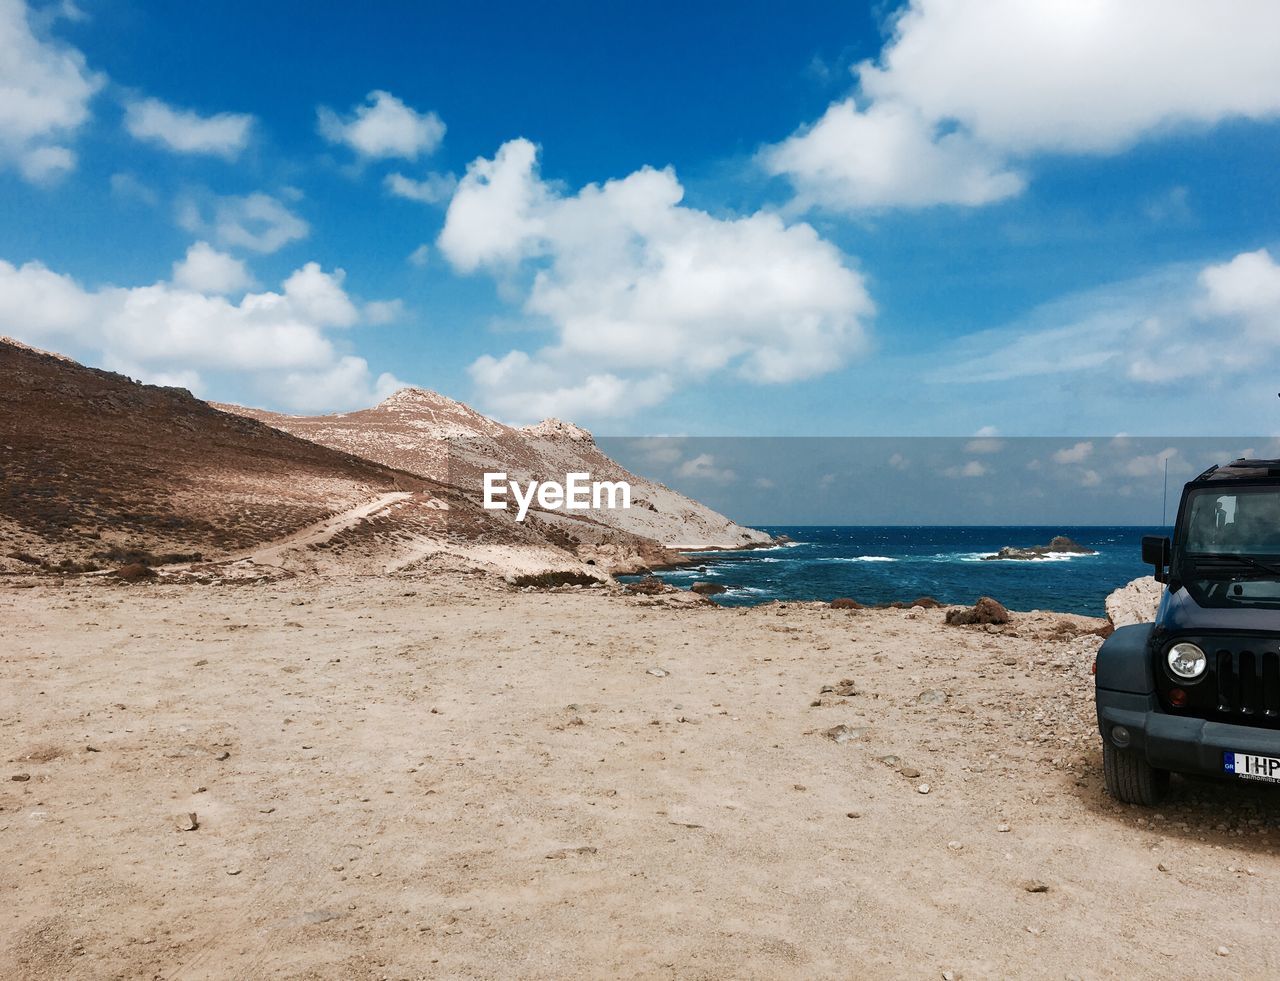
x,y
923,219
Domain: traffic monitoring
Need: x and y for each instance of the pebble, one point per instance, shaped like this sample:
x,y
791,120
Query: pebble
x,y
186,822
933,696
657,672
853,814
955,846
1034,931
923,789
1003,828
1223,951
910,772
1161,867
21,777
1035,885
233,871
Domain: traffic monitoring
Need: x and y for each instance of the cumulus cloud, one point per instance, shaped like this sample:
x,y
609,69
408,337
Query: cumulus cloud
x,y
258,222
973,468
432,189
206,270
167,331
45,90
704,467
984,441
965,91
224,134
643,292
1074,454
383,127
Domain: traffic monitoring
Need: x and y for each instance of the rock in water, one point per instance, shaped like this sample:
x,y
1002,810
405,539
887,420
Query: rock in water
x,y
707,588
1058,545
1135,602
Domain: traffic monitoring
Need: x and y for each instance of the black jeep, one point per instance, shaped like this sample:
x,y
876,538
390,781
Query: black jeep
x,y
1198,691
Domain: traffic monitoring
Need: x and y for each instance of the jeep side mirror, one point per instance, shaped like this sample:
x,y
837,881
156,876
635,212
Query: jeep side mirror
x,y
1155,551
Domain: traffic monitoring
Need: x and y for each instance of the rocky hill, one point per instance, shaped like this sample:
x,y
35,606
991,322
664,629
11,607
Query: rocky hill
x,y
437,438
98,471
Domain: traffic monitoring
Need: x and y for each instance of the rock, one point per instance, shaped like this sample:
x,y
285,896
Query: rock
x,y
933,696
186,822
925,603
955,846
707,588
648,586
1035,885
853,814
1223,951
924,788
842,733
910,772
20,777
1135,602
845,603
1161,867
233,871
985,611
1003,828
845,688
566,852
657,672
1058,545
135,572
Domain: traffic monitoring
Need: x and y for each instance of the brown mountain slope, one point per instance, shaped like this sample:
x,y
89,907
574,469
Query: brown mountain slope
x,y
96,468
433,436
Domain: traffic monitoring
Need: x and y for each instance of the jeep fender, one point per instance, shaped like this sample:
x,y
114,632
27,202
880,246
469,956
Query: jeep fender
x,y
1124,663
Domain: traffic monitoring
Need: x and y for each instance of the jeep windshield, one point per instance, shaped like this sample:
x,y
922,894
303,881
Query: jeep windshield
x,y
1230,546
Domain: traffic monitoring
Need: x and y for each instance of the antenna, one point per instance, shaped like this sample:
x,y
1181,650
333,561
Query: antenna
x,y
1164,507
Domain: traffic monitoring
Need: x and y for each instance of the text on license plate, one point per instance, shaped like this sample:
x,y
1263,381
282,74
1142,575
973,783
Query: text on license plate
x,y
1252,767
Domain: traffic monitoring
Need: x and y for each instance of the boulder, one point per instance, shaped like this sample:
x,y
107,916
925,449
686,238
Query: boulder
x,y
135,572
985,611
1059,544
648,586
708,588
1135,602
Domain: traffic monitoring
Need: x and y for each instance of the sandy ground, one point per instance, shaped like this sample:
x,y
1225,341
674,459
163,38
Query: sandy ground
x,y
405,778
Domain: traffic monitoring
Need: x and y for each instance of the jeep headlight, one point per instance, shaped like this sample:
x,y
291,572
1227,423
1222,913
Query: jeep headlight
x,y
1187,661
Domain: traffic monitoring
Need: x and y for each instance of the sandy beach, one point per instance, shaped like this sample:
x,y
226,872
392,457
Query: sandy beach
x,y
423,776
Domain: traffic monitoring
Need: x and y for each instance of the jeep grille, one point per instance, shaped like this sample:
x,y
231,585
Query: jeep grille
x,y
1248,684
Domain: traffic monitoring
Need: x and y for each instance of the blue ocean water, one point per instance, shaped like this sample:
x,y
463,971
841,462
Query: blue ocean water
x,y
885,564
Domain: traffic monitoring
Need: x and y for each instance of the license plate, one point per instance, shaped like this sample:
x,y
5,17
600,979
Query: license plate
x,y
1250,767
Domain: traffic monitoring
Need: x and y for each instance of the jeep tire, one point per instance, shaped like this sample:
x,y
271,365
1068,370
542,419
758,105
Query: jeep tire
x,y
1130,778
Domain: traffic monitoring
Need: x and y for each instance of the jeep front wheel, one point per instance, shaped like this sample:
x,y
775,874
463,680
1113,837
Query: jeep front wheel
x,y
1130,778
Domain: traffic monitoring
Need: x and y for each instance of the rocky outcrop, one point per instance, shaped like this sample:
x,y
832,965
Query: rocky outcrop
x,y
1135,602
1059,545
985,611
708,588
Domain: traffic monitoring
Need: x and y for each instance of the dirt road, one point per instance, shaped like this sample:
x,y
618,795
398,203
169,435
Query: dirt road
x,y
406,778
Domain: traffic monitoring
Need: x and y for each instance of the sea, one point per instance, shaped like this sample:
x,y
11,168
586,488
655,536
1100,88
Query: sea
x,y
889,563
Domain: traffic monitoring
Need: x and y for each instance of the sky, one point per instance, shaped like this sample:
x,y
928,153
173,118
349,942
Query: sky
x,y
935,218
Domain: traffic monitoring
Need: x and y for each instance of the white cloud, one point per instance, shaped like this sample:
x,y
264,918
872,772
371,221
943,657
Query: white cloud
x,y
257,222
645,293
432,189
45,89
224,134
704,467
420,256
965,90
206,270
984,441
973,468
1074,454
887,155
383,127
1246,289
276,340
